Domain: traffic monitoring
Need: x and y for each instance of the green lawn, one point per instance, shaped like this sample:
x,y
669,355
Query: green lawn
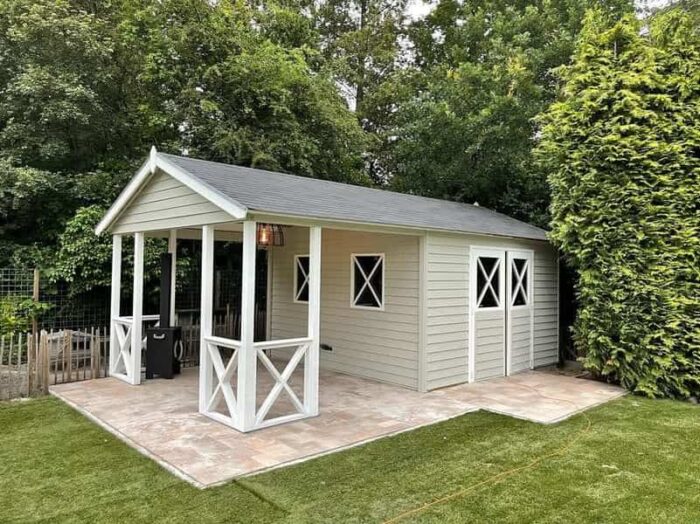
x,y
639,461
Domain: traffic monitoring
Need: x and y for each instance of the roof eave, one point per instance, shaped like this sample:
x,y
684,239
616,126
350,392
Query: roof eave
x,y
376,225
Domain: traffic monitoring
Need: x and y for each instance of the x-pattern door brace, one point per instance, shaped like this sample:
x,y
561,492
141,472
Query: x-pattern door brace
x,y
519,281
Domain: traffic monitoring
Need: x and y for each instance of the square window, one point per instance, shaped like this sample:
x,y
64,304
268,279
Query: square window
x,y
368,281
301,278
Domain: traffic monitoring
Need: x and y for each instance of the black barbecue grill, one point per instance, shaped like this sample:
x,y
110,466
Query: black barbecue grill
x,y
163,343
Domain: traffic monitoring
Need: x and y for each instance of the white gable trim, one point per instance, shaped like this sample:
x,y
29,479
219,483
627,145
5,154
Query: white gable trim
x,y
144,174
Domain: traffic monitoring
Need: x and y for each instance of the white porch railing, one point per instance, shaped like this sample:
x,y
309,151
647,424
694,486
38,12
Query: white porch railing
x,y
301,347
222,404
122,366
223,361
224,372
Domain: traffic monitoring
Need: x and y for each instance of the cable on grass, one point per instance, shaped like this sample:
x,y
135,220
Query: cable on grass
x,y
504,474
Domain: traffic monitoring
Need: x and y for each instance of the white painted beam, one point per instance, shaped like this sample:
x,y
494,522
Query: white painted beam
x,y
137,314
115,302
206,318
247,357
172,249
311,362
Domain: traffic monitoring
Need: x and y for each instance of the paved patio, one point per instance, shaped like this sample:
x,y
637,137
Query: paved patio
x,y
160,419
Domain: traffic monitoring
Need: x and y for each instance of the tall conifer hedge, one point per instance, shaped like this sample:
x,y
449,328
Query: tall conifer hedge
x,y
622,147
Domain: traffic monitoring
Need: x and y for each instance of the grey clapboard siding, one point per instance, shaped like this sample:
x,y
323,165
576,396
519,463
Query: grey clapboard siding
x,y
447,312
520,339
380,345
446,290
489,357
165,203
546,335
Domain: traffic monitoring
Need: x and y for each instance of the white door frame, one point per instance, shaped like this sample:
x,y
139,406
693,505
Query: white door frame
x,y
474,253
529,255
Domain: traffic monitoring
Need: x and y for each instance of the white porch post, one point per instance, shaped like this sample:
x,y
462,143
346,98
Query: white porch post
x,y
205,321
247,358
137,314
115,302
311,359
172,249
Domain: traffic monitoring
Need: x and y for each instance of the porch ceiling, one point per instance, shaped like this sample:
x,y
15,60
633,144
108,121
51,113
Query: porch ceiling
x,y
160,418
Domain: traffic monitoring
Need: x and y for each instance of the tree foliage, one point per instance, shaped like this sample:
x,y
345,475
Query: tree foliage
x,y
622,149
484,73
83,259
361,43
86,88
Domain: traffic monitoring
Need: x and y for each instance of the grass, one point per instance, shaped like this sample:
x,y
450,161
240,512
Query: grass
x,y
639,461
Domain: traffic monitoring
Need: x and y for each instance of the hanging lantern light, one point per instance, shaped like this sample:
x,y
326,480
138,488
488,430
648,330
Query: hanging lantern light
x,y
270,235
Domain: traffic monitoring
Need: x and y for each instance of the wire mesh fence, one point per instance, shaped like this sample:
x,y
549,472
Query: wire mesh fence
x,y
22,289
16,282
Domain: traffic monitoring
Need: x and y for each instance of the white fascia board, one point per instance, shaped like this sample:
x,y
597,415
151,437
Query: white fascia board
x,y
154,162
371,227
142,175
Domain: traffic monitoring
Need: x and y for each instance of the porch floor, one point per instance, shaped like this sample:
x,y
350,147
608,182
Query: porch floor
x,y
160,419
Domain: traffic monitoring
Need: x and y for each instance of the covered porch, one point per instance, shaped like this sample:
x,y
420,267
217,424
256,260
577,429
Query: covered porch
x,y
241,382
160,417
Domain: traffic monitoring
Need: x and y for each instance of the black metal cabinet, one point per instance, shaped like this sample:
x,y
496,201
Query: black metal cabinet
x,y
161,346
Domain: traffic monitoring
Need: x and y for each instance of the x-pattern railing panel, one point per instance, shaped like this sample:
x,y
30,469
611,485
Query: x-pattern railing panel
x,y
224,373
304,284
123,328
281,381
123,333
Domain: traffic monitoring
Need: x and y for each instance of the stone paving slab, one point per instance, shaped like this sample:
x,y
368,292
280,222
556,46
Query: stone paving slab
x,y
160,418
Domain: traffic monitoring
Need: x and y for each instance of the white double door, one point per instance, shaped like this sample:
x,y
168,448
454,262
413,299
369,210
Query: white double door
x,y
501,312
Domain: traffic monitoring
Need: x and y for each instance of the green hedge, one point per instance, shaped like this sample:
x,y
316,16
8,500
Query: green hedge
x,y
622,147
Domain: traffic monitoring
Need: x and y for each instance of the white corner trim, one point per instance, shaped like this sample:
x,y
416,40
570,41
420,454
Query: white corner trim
x,y
147,170
423,313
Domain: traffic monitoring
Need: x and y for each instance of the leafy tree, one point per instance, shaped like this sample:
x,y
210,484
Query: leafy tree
x,y
483,73
54,81
86,87
236,96
34,205
361,41
83,259
622,149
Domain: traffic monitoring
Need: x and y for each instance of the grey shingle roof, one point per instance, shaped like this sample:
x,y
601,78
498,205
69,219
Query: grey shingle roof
x,y
278,193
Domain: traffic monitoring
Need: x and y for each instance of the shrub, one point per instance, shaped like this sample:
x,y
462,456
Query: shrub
x,y
622,148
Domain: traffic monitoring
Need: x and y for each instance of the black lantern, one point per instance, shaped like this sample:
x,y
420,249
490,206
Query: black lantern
x,y
270,235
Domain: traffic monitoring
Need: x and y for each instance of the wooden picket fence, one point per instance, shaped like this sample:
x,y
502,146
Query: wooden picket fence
x,y
29,363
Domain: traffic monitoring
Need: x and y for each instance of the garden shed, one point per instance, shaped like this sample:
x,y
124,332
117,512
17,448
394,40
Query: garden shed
x,y
405,290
